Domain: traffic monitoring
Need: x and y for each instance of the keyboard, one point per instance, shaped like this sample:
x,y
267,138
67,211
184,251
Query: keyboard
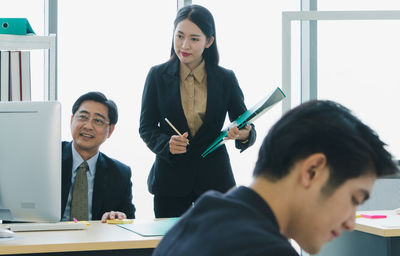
x,y
16,227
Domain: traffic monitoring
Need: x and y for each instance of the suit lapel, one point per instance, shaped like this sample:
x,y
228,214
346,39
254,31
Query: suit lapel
x,y
99,187
66,174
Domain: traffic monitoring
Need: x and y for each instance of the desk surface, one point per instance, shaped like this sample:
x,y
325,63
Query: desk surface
x,y
97,236
387,227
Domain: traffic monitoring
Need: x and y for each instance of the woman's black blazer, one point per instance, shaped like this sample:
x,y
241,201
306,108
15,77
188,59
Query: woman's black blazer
x,y
178,175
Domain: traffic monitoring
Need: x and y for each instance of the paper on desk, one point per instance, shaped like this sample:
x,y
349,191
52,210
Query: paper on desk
x,y
392,221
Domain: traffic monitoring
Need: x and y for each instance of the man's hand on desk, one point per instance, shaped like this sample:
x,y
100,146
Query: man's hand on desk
x,y
112,216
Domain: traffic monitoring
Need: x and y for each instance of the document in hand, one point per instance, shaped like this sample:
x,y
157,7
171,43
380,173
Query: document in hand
x,y
247,117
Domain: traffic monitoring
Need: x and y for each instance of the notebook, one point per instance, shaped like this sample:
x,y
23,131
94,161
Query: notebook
x,y
151,228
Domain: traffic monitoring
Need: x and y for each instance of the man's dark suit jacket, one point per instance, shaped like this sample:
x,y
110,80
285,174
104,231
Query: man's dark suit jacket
x,y
180,174
112,189
238,223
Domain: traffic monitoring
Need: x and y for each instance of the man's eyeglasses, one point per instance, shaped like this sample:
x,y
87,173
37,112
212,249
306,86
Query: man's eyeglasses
x,y
97,121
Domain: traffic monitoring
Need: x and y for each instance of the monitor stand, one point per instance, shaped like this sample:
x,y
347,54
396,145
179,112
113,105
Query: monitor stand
x,y
5,215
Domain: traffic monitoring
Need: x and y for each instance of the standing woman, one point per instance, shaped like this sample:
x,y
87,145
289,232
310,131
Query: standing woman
x,y
194,94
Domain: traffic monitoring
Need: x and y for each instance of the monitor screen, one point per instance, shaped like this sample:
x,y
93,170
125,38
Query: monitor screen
x,y
30,161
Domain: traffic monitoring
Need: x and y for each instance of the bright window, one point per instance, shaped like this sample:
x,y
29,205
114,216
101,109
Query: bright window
x,y
249,37
358,66
109,46
358,5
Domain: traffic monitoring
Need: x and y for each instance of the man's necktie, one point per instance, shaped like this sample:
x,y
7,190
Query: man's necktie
x,y
79,204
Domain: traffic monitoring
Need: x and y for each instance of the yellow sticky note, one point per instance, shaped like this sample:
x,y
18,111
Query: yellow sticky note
x,y
118,221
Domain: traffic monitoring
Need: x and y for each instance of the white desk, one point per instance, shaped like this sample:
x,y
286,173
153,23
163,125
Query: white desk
x,y
377,237
97,237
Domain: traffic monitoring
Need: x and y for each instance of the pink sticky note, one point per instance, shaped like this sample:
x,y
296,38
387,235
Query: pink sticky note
x,y
372,216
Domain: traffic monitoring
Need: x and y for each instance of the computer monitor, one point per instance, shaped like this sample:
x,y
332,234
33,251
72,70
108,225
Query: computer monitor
x,y
30,161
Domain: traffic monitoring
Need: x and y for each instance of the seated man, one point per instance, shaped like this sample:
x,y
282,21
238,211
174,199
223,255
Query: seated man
x,y
94,186
315,166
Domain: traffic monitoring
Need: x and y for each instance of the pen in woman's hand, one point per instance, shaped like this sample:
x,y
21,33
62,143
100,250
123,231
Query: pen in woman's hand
x,y
173,127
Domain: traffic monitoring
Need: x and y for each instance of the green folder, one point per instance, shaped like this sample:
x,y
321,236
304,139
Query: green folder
x,y
151,228
15,26
247,117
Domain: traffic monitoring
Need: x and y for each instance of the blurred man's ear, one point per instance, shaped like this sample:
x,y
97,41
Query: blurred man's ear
x,y
311,168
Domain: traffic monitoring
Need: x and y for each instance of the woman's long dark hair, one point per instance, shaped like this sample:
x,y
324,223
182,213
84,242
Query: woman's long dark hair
x,y
205,21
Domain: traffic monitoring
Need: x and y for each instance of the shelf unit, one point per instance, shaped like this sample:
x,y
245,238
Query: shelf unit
x,y
32,42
